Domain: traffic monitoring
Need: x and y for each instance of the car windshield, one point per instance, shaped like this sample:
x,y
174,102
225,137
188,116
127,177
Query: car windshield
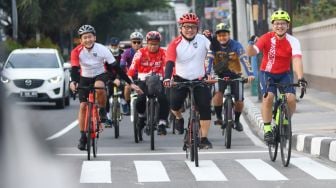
x,y
32,60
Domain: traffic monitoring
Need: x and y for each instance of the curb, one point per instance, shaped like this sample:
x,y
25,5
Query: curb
x,y
315,145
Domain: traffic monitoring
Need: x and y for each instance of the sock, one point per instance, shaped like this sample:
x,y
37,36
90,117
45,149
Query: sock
x,y
237,116
83,134
162,122
267,127
218,110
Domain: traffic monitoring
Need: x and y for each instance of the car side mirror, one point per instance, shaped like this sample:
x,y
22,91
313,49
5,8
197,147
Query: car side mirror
x,y
66,65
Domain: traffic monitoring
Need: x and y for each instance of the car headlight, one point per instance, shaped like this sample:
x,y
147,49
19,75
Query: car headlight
x,y
4,79
55,80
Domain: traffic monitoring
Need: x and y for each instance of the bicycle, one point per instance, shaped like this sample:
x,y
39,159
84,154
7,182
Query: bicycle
x,y
92,121
135,116
228,108
152,107
115,109
282,130
192,134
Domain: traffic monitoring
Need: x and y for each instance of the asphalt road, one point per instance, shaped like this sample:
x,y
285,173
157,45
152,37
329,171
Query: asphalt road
x,y
40,132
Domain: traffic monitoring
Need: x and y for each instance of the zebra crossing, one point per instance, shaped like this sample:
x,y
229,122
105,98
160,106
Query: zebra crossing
x,y
208,170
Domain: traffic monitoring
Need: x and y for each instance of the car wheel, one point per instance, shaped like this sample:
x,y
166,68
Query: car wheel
x,y
67,99
60,103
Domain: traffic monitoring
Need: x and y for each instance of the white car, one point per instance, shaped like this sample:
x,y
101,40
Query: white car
x,y
37,74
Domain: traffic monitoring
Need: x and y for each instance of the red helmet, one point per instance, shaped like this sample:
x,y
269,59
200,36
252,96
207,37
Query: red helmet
x,y
188,18
153,35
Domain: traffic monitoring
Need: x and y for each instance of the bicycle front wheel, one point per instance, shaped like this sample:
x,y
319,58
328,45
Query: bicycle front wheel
x,y
88,125
195,141
152,122
285,127
115,117
273,147
228,121
135,120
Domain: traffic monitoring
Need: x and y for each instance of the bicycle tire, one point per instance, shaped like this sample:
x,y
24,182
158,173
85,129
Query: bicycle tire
x,y
190,134
151,121
88,127
273,147
195,141
135,120
115,118
228,122
285,135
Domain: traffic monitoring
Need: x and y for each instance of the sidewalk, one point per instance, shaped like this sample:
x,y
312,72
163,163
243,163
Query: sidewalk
x,y
314,123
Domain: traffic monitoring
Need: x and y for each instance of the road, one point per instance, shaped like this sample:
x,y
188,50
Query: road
x,y
123,163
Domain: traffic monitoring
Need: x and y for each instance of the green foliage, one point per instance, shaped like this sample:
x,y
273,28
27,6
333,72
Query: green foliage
x,y
45,42
11,45
314,12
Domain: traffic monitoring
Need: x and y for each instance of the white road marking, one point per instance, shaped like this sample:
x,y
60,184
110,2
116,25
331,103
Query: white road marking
x,y
154,154
96,172
252,136
206,171
314,168
63,131
151,171
261,170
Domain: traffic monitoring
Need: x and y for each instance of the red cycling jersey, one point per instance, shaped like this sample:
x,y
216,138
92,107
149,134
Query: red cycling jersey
x,y
277,53
145,62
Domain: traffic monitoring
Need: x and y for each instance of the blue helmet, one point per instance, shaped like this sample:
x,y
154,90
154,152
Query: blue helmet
x,y
114,41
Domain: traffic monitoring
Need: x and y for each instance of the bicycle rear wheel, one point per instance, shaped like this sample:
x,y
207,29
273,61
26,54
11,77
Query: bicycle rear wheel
x,y
285,135
228,122
273,147
88,129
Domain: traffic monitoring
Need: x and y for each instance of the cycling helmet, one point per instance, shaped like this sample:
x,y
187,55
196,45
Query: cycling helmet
x,y
188,18
136,36
222,27
86,29
280,15
153,35
114,41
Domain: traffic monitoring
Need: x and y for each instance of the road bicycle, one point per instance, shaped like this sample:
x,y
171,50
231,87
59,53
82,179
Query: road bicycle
x,y
92,121
115,112
192,133
282,124
228,108
134,118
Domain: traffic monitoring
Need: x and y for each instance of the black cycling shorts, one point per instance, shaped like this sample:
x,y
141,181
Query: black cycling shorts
x,y
85,82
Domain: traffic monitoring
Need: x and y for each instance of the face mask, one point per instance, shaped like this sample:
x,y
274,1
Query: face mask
x,y
115,51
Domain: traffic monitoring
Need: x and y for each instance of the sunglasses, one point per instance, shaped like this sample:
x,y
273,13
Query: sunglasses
x,y
136,42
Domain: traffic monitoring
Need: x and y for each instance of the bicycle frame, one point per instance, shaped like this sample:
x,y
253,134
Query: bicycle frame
x,y
91,121
192,135
282,131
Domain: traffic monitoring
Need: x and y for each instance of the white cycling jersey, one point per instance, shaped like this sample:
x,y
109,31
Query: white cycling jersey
x,y
91,61
189,56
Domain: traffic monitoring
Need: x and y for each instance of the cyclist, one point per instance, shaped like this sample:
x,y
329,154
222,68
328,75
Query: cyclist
x,y
87,60
116,52
186,54
146,61
225,59
279,49
126,61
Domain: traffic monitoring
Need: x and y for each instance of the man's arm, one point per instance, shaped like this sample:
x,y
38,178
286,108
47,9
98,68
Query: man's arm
x,y
298,66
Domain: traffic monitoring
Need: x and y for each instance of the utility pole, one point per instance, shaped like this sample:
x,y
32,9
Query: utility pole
x,y
15,20
234,19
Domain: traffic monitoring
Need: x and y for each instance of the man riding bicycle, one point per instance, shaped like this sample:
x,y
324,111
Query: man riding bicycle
x,y
87,61
126,61
225,59
146,61
279,48
186,55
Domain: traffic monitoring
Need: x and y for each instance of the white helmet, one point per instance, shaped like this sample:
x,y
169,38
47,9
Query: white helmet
x,y
136,36
86,29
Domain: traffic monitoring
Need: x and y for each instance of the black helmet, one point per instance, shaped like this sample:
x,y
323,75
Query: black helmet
x,y
86,29
114,41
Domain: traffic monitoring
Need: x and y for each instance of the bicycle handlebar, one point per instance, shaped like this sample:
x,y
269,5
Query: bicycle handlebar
x,y
283,86
90,88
